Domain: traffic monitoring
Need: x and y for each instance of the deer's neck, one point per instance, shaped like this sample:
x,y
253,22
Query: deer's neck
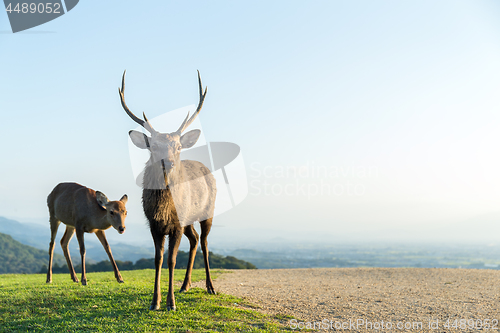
x,y
157,197
98,221
155,178
103,221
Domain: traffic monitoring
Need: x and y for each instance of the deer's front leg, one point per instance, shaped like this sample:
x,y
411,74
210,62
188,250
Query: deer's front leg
x,y
79,236
174,240
159,240
102,238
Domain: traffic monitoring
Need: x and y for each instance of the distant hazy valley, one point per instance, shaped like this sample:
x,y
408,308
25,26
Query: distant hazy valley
x,y
282,253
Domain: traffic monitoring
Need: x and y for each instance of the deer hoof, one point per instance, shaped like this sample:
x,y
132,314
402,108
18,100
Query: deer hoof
x,y
84,282
171,308
49,281
121,281
154,307
211,291
183,290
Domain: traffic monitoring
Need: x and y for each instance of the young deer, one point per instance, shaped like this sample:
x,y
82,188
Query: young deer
x,y
175,194
84,210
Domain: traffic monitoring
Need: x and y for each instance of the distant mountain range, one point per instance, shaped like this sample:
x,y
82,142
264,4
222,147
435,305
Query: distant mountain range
x,y
38,236
19,258
471,242
24,249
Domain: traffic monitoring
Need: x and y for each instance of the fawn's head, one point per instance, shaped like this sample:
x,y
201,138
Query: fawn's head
x,y
165,148
115,210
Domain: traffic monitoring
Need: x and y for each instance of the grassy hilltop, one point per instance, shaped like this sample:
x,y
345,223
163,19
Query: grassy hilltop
x,y
29,304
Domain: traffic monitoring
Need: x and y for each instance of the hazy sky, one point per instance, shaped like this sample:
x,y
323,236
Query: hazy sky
x,y
351,115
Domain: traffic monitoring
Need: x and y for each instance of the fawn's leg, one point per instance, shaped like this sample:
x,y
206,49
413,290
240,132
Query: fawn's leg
x,y
68,234
54,225
102,237
79,236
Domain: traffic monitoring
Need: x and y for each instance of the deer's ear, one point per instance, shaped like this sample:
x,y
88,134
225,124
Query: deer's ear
x,y
124,199
139,139
189,139
101,198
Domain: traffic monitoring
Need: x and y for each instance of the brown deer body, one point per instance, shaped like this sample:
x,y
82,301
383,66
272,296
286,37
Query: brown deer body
x,y
175,194
83,210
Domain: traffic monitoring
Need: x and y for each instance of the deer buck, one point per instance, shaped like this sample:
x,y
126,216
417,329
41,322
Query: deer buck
x,y
175,195
84,210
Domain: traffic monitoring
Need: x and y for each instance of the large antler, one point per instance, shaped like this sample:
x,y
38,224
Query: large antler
x,y
187,122
144,123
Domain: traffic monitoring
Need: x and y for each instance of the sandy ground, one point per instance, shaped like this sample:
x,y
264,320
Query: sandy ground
x,y
357,299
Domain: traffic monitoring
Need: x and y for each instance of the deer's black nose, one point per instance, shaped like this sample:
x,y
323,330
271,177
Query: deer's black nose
x,y
121,230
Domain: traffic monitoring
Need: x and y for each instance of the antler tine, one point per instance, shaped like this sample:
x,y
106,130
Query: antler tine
x,y
183,125
146,124
187,122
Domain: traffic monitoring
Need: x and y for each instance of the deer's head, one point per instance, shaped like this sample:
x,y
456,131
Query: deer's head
x,y
115,210
165,148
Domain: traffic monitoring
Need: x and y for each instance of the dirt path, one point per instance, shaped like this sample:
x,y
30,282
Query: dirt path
x,y
352,296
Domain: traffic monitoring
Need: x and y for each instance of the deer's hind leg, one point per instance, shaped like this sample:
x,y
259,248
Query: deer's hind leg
x,y
68,234
193,237
54,225
206,225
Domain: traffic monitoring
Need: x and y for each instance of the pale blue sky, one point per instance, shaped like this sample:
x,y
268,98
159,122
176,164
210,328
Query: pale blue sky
x,y
410,88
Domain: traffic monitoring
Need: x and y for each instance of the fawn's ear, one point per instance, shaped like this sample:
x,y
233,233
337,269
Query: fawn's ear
x,y
124,199
189,139
101,198
139,139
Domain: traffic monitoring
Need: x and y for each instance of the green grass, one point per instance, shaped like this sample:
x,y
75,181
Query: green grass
x,y
28,304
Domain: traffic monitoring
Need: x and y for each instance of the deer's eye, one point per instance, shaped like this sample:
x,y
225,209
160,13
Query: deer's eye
x,y
179,148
